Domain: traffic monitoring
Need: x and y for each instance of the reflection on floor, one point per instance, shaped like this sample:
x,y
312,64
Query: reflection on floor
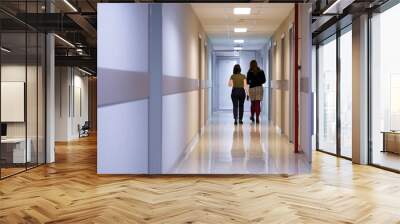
x,y
243,149
387,159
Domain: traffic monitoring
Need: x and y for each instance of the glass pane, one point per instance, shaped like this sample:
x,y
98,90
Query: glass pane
x,y
32,95
327,97
346,93
41,99
385,85
14,153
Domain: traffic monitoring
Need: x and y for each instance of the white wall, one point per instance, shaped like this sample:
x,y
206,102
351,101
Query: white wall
x,y
181,30
306,118
122,126
67,113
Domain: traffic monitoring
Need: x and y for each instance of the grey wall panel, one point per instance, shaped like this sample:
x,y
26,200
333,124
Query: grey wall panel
x,y
116,86
174,84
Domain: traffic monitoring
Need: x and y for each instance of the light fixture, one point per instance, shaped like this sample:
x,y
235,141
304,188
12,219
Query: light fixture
x,y
239,41
241,11
337,7
70,5
84,71
65,41
5,50
238,48
240,30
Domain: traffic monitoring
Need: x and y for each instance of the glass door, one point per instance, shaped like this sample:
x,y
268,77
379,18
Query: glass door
x,y
326,87
385,89
346,92
334,94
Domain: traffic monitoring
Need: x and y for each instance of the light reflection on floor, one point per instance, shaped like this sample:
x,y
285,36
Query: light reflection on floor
x,y
243,149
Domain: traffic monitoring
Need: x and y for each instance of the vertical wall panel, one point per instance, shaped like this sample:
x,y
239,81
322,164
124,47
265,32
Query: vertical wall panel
x,y
306,97
181,112
122,88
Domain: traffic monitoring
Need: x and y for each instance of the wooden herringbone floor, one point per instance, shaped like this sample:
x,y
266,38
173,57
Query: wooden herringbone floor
x,y
70,191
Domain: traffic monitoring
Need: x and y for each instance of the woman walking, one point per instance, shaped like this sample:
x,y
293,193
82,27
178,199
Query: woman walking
x,y
238,95
255,79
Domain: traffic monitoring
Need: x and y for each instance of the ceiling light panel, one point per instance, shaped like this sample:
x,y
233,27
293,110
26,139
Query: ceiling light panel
x,y
242,11
238,41
240,30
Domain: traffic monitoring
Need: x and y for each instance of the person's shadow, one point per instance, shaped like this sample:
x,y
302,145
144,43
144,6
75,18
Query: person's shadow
x,y
237,150
255,156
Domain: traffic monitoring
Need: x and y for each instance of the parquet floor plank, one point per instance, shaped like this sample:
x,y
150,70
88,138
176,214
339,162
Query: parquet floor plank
x,y
70,191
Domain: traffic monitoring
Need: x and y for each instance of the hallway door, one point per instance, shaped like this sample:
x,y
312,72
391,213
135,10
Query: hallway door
x,y
225,69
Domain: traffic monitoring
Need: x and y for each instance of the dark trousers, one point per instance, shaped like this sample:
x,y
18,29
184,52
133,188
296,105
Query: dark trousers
x,y
238,96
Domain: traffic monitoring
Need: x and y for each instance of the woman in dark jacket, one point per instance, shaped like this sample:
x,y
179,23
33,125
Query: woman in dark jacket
x,y
255,80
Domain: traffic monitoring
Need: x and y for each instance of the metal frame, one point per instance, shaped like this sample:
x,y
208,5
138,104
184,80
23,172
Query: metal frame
x,y
369,97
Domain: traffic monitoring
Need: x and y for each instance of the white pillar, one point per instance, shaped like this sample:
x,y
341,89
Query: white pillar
x,y
50,98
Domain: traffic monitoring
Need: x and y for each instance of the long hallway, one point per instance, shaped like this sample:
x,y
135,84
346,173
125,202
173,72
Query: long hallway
x,y
243,149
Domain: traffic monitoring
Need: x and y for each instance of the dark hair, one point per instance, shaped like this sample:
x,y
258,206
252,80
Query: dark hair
x,y
236,69
253,62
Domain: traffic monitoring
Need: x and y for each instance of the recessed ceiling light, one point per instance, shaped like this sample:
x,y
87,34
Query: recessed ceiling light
x,y
241,11
238,48
240,30
239,41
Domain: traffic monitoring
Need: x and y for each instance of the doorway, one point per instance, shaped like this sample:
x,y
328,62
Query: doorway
x,y
224,71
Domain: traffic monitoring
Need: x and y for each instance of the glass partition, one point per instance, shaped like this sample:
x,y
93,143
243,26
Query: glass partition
x,y
385,89
13,110
346,93
22,101
327,96
31,100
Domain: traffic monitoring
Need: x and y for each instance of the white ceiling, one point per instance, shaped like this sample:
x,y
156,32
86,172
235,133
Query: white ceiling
x,y
219,21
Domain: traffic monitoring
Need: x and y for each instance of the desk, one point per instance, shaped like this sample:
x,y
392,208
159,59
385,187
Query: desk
x,y
391,141
15,148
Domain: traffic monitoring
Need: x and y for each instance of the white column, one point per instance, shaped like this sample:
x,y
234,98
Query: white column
x,y
50,98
